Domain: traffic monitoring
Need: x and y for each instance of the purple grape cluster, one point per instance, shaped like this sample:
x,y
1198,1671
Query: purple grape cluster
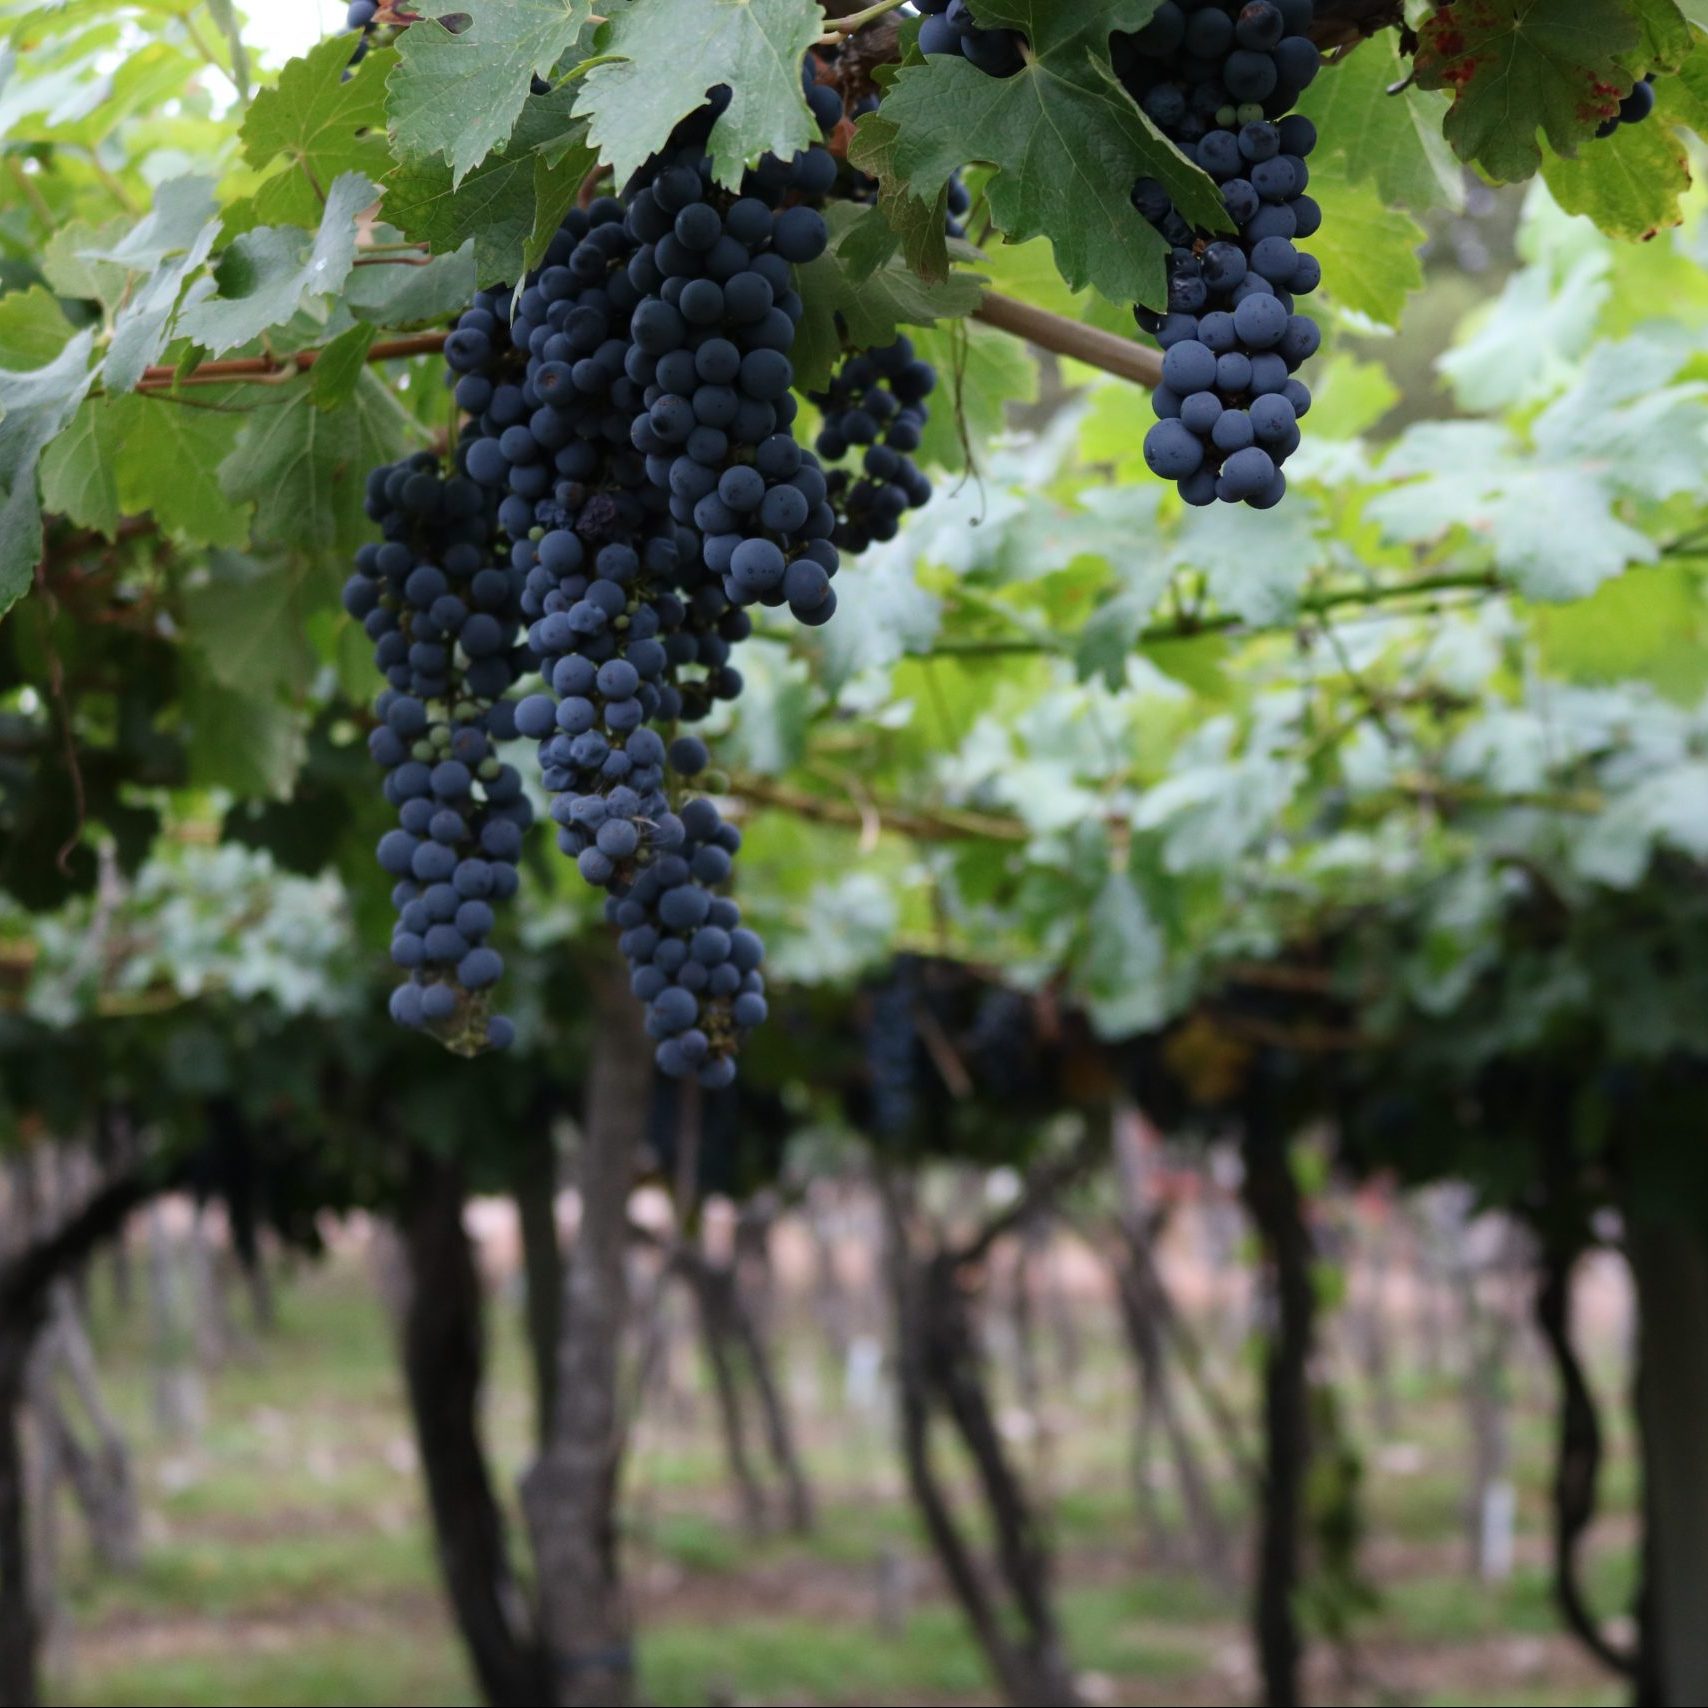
x,y
444,619
1633,109
949,27
874,407
1218,77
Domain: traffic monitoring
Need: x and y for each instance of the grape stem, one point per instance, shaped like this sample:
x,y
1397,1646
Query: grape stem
x,y
843,27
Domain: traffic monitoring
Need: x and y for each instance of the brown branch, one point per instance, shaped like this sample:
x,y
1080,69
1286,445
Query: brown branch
x,y
1119,356
250,370
1089,344
936,824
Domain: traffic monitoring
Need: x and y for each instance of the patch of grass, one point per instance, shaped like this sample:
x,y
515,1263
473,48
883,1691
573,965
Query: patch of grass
x,y
356,1669
799,1660
1442,1610
271,1575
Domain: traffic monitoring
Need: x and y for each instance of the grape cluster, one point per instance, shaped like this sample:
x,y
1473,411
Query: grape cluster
x,y
1218,77
443,617
623,472
627,416
1633,109
949,27
875,400
711,343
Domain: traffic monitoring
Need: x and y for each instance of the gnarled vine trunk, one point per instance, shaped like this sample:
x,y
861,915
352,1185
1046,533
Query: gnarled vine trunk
x,y
1272,1197
570,1495
1669,1260
940,1371
444,1358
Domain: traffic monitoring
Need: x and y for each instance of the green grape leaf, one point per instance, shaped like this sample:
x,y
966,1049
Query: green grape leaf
x,y
1631,183
980,373
339,366
305,470
1553,526
1368,250
482,74
1066,142
1666,36
33,328
1366,135
412,294
662,58
67,264
270,273
168,245
251,744
916,222
168,463
322,118
1649,624
864,311
503,204
1121,969
79,474
244,622
1518,66
35,405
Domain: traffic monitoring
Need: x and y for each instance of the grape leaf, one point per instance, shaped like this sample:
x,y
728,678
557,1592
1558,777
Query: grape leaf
x,y
413,295
322,118
250,744
482,74
305,470
980,372
1631,183
1552,526
244,621
1516,66
1066,140
35,405
667,55
502,204
33,328
842,307
1121,969
79,479
1666,37
268,274
1368,250
169,457
917,222
168,245
333,377
1366,135
67,263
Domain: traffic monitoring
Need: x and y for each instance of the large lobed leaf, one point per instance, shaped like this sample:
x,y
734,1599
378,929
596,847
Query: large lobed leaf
x,y
661,58
35,406
510,204
1066,140
1519,67
481,75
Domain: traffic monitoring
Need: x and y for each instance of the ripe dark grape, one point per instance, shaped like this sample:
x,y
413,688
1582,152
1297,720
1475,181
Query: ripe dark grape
x,y
951,28
448,666
1635,107
874,416
1219,78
